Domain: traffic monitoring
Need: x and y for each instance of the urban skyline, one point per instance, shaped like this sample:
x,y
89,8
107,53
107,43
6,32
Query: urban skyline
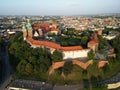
x,y
59,7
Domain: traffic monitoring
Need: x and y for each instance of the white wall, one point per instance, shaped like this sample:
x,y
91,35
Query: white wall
x,y
15,88
109,37
114,85
75,54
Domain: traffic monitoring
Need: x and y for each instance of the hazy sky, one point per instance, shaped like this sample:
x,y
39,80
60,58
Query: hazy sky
x,y
58,7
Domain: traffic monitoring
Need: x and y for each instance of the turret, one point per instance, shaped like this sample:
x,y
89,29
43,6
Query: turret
x,y
29,28
24,32
28,25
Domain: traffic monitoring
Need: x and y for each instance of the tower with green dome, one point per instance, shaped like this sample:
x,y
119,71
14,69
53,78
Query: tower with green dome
x,y
24,30
27,29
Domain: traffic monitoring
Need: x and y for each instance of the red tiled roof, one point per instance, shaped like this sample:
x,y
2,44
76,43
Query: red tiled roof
x,y
35,28
54,29
54,45
71,48
54,23
41,25
102,63
92,42
45,27
44,43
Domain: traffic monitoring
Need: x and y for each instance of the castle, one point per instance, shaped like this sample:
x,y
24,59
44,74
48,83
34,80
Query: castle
x,y
69,52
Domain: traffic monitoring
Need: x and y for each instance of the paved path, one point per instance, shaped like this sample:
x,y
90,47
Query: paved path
x,y
68,87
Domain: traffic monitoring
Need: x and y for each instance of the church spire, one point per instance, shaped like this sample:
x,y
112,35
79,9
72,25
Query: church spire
x,y
24,30
29,28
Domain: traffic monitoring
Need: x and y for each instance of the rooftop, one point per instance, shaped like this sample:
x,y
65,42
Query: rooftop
x,y
54,45
45,27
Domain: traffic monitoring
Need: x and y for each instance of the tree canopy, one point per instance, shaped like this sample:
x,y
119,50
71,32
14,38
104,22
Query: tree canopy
x,y
67,68
56,56
27,60
91,54
102,44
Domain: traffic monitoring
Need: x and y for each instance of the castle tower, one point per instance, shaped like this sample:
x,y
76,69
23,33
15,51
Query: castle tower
x,y
29,28
24,32
94,37
93,43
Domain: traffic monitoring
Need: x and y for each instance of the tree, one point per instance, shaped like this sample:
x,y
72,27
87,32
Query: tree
x,y
116,44
21,66
102,44
91,54
27,60
51,34
59,70
84,40
73,42
1,44
67,68
56,56
28,69
70,31
1,41
106,68
16,38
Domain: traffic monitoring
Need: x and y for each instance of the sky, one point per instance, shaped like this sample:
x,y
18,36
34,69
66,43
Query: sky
x,y
58,7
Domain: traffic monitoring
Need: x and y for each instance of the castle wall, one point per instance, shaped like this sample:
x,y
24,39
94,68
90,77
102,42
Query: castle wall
x,y
75,54
66,54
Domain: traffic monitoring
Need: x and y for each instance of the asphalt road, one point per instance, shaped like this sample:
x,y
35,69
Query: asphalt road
x,y
69,87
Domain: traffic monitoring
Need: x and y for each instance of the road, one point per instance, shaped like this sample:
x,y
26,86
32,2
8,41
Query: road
x,y
69,87
6,69
31,84
114,79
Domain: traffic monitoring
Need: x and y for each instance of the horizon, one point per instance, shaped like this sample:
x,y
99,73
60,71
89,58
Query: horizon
x,y
59,8
102,14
